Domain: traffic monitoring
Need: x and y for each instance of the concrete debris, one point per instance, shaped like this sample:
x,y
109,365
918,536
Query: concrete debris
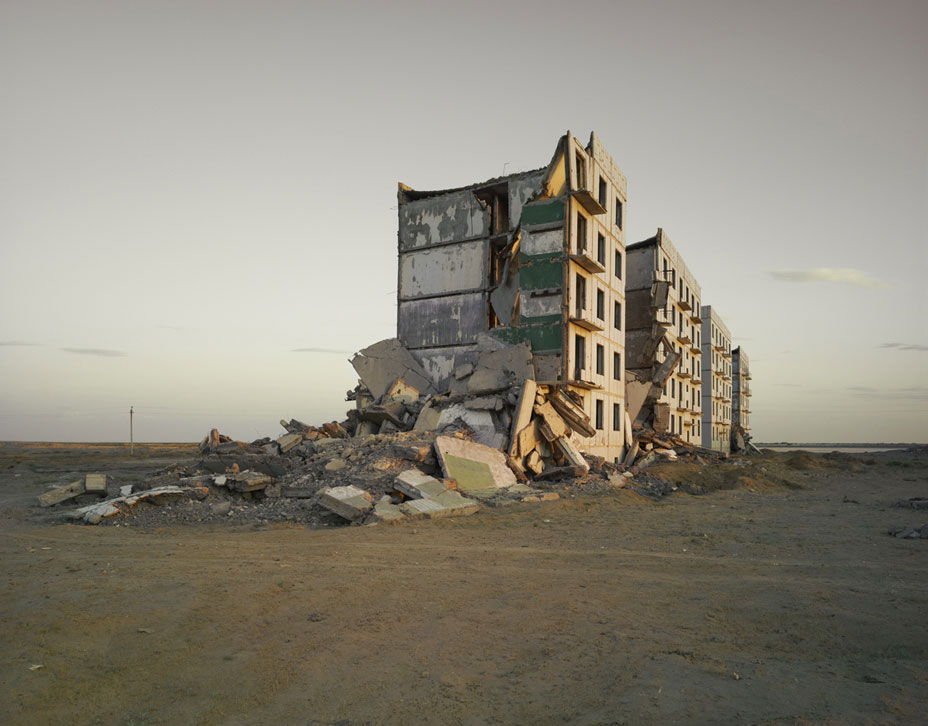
x,y
416,485
381,365
94,513
61,494
347,501
909,532
95,483
472,465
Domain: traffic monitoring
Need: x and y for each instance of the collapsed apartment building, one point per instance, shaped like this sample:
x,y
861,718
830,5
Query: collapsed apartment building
x,y
537,258
533,351
663,337
740,398
716,386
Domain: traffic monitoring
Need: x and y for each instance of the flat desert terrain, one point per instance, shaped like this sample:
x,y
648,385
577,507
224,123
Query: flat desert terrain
x,y
778,598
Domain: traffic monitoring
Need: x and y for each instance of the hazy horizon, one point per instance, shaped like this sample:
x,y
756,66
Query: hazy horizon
x,y
198,213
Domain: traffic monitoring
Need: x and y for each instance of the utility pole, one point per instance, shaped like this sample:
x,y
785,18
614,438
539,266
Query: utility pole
x,y
131,436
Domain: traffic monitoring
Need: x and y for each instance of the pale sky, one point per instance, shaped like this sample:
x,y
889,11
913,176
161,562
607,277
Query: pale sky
x,y
192,191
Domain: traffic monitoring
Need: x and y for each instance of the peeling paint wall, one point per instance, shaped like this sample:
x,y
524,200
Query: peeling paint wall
x,y
450,268
452,217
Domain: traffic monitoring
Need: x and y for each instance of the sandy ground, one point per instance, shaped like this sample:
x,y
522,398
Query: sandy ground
x,y
769,603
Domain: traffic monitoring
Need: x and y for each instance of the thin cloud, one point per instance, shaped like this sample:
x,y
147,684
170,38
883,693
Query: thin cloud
x,y
865,389
828,274
99,352
905,346
322,350
21,343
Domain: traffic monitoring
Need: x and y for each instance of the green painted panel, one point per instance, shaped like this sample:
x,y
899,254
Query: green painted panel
x,y
541,275
542,320
529,259
546,212
546,337
540,337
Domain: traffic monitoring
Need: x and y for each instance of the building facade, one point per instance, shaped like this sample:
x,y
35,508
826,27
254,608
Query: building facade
x,y
664,318
716,382
741,389
535,257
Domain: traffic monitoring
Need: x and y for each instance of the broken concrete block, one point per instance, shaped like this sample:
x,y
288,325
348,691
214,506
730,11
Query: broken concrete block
x,y
572,454
249,481
553,420
493,439
95,483
474,420
473,465
487,380
61,494
401,392
288,441
385,511
421,508
416,485
522,416
527,439
381,364
632,453
636,392
463,370
533,461
428,418
348,502
484,403
336,465
572,412
628,430
455,504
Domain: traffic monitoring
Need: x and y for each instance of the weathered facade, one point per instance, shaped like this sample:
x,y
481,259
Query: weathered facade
x,y
535,257
741,389
664,325
716,386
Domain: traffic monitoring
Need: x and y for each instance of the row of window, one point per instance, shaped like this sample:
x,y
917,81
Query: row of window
x,y
580,301
599,362
601,245
598,411
602,187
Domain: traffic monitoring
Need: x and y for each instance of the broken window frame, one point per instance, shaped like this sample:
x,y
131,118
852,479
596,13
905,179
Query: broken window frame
x,y
600,304
616,417
598,413
617,315
600,359
581,233
601,248
617,366
618,213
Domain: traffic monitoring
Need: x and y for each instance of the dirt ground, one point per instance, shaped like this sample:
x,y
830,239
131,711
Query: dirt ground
x,y
775,598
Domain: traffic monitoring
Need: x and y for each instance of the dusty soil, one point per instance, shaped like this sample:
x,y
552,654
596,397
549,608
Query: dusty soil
x,y
774,597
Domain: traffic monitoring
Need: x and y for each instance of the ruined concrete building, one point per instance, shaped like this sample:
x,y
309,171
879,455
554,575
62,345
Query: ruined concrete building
x,y
663,336
534,257
716,386
741,389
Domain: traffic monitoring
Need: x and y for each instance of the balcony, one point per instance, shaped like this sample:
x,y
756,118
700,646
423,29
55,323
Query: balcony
x,y
580,381
588,201
697,381
684,305
588,262
684,339
694,316
584,319
684,374
695,349
662,318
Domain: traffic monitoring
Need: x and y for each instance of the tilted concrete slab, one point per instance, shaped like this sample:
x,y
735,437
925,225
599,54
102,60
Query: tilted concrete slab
x,y
380,365
348,501
416,485
61,494
472,465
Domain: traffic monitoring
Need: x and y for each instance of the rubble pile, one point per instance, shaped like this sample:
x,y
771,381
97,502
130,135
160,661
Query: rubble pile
x,y
410,448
